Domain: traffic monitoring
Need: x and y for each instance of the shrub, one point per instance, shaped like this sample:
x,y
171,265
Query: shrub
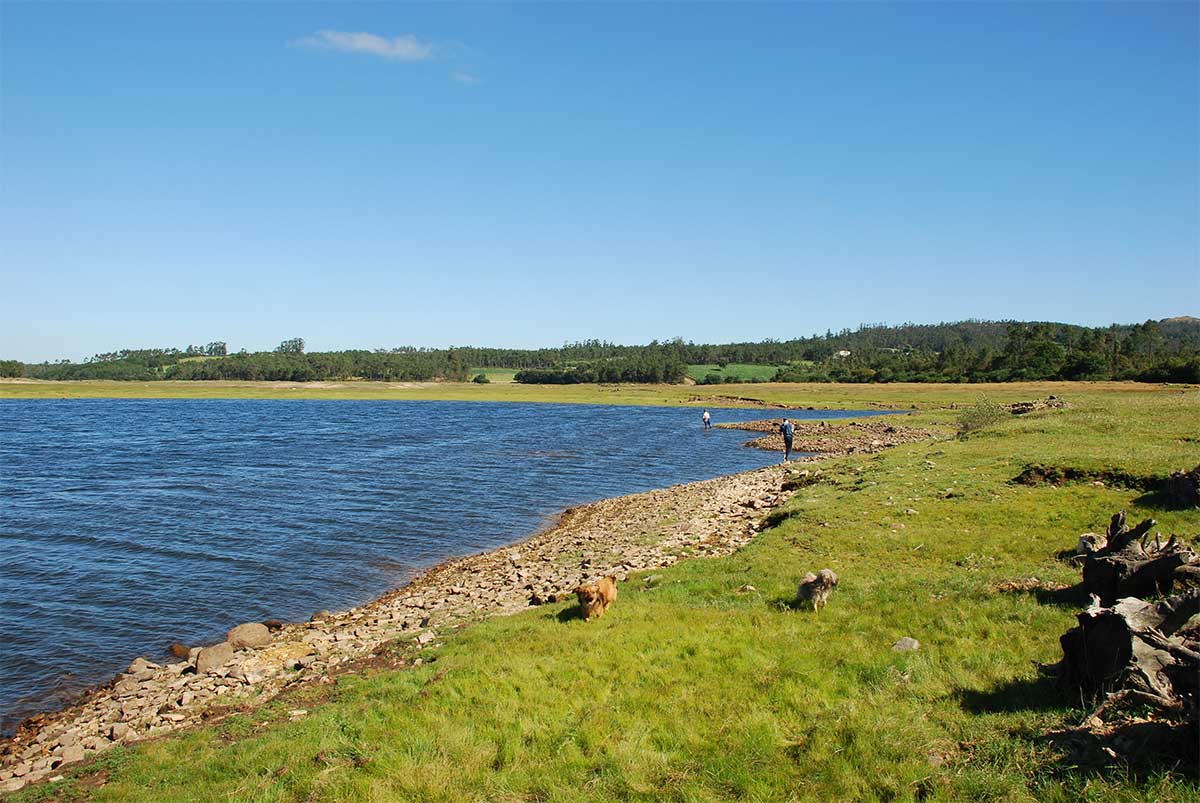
x,y
481,379
981,414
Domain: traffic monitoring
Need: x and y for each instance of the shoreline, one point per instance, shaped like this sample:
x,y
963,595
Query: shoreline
x,y
618,535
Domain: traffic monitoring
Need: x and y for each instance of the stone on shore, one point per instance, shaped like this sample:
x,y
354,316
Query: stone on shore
x,y
272,660
251,634
214,657
121,732
140,665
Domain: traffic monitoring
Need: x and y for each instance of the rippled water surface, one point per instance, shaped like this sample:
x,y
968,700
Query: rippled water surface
x,y
127,525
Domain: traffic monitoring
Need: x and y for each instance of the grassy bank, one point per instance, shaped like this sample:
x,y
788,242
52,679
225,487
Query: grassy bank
x,y
695,687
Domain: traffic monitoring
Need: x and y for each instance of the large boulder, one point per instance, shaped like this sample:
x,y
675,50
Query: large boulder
x,y
213,657
72,754
251,634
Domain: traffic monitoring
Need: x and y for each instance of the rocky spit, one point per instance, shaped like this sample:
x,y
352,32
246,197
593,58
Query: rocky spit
x,y
832,439
257,661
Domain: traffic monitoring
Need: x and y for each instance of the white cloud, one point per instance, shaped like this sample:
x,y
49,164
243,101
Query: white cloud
x,y
398,48
465,78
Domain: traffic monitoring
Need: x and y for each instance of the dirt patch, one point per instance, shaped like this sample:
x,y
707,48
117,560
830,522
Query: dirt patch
x,y
1036,474
738,401
823,437
1028,585
1142,746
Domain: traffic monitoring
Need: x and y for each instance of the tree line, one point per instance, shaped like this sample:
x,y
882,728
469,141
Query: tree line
x,y
654,368
965,351
1155,351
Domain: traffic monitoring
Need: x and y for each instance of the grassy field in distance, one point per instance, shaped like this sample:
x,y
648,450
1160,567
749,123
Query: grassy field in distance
x,y
495,374
741,372
693,688
832,395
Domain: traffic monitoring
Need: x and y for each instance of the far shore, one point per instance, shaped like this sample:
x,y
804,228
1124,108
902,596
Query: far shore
x,y
831,396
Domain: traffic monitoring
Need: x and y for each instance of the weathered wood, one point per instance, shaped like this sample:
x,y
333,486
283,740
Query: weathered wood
x,y
1131,654
1129,566
1131,647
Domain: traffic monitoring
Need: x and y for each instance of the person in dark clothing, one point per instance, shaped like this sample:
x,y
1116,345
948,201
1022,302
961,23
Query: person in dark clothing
x,y
788,431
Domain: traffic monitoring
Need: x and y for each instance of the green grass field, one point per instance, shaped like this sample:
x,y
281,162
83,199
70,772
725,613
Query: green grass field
x,y
740,372
692,689
495,374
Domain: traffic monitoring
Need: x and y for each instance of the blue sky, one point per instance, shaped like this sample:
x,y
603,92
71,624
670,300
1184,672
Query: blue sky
x,y
371,175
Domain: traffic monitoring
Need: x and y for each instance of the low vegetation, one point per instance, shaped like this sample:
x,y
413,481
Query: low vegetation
x,y
980,415
704,683
647,368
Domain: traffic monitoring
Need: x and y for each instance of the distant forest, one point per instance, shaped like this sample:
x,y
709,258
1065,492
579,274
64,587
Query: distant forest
x,y
968,351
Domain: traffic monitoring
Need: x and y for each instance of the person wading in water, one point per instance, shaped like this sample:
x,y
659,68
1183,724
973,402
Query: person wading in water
x,y
788,431
707,420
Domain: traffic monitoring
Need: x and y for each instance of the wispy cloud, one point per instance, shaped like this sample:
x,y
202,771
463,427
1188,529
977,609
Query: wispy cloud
x,y
465,78
399,48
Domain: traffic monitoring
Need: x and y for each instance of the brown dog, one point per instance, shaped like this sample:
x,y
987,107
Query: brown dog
x,y
594,598
816,588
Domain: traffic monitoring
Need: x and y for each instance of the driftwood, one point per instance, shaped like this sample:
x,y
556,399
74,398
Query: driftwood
x,y
1136,652
1131,566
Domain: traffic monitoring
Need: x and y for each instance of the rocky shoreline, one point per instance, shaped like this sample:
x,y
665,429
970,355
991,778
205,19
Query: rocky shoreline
x,y
256,662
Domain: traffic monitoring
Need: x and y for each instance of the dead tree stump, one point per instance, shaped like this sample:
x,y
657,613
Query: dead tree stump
x,y
1129,566
1134,651
1183,488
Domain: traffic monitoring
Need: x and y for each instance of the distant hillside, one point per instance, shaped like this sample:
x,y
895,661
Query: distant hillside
x,y
963,351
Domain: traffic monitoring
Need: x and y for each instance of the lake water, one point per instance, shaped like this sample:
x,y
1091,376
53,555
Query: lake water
x,y
127,525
